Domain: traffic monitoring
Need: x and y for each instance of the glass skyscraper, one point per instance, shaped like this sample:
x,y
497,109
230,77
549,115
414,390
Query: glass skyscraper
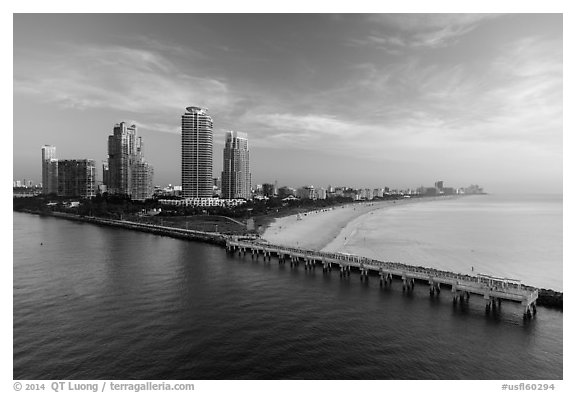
x,y
197,139
236,181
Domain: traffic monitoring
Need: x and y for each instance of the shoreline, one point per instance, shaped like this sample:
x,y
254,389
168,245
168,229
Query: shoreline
x,y
331,235
547,297
319,228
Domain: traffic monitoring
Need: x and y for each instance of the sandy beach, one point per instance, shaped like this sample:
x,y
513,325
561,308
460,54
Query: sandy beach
x,y
326,227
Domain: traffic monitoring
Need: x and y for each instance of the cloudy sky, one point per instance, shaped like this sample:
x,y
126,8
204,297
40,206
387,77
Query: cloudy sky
x,y
367,100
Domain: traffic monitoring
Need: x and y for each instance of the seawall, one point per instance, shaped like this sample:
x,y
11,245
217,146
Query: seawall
x,y
206,237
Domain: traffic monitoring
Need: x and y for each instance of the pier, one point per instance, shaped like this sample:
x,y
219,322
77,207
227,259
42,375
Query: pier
x,y
493,289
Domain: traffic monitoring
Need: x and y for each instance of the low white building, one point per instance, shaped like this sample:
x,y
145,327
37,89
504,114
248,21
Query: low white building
x,y
378,193
203,202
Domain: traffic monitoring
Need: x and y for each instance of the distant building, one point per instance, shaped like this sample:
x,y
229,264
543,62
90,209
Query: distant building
x,y
49,170
306,192
216,187
142,186
197,140
369,194
126,171
473,189
439,185
366,194
105,176
121,152
202,202
321,193
142,176
168,191
351,193
339,191
236,181
77,178
268,190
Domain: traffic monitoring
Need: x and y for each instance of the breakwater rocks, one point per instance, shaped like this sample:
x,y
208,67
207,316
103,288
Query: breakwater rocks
x,y
550,298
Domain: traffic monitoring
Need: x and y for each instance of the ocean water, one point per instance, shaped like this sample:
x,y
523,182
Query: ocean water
x,y
513,236
94,302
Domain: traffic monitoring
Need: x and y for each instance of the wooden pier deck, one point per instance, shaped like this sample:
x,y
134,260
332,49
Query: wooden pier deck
x,y
492,289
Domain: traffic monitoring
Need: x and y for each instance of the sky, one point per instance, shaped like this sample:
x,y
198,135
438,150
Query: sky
x,y
359,100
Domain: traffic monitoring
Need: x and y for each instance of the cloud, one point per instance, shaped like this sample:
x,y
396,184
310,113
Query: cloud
x,y
423,22
391,44
297,130
401,31
173,128
119,78
519,89
307,123
414,106
392,109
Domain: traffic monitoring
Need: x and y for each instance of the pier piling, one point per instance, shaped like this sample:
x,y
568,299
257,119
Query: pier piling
x,y
493,289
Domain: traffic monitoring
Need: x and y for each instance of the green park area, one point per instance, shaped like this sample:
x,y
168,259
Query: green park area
x,y
250,218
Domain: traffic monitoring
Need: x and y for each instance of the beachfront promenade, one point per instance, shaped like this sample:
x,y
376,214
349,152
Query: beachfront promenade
x,y
492,289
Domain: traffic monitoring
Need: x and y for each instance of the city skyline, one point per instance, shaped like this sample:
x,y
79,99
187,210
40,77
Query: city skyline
x,y
364,100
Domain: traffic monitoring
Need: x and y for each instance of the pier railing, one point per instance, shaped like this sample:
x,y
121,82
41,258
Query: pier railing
x,y
493,289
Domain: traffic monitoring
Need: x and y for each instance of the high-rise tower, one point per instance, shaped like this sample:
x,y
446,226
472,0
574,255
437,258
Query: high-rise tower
x,y
77,178
49,170
127,170
121,153
197,142
236,173
142,175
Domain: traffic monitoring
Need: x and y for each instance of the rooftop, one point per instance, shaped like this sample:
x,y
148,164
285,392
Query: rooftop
x,y
196,109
